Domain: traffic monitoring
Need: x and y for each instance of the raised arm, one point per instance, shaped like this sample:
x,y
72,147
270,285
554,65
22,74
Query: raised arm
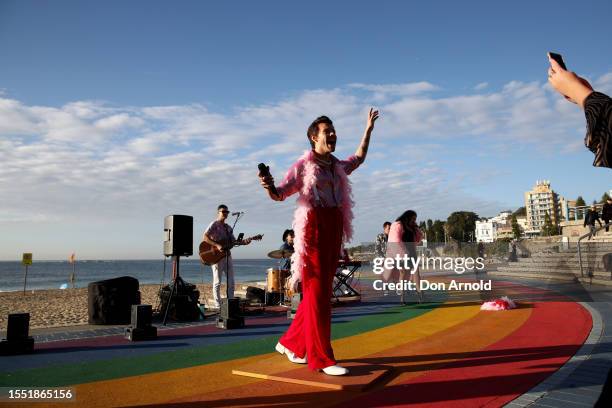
x,y
362,150
290,185
567,83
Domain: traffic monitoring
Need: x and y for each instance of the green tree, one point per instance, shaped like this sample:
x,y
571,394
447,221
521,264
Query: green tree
x,y
521,211
462,224
437,231
580,203
605,197
548,229
516,228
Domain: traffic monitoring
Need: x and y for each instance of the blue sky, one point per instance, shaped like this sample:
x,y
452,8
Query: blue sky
x,y
114,114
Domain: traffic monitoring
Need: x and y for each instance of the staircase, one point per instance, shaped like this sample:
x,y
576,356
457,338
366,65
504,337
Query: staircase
x,y
563,265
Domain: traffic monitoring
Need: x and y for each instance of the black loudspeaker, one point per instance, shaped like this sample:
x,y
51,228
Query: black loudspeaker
x,y
229,314
110,301
273,298
230,308
178,235
141,328
18,326
183,304
17,340
255,294
141,316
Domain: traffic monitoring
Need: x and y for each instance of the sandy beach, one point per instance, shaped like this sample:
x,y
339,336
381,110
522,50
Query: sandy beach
x,y
68,307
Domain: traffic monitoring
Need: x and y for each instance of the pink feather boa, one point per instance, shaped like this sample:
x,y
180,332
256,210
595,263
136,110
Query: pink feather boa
x,y
309,170
505,303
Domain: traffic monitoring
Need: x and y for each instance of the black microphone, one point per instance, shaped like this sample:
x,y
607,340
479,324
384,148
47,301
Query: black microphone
x,y
264,171
237,213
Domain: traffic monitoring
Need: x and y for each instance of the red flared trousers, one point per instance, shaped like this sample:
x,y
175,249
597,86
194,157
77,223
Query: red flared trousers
x,y
310,331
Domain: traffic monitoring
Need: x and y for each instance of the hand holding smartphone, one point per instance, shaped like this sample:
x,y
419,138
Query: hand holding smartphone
x,y
558,58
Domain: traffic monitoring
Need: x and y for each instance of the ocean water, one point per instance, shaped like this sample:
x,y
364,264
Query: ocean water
x,y
53,274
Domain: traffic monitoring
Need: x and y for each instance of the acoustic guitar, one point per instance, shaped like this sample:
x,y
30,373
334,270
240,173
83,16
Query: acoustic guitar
x,y
209,255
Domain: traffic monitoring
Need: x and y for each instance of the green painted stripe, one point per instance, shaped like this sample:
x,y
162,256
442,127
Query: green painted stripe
x,y
70,374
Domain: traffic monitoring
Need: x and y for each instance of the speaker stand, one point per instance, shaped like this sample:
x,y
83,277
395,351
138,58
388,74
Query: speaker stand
x,y
176,282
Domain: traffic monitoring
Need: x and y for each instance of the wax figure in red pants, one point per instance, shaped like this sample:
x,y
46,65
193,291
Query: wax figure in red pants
x,y
322,222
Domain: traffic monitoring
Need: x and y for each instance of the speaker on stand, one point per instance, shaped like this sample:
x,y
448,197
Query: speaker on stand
x,y
178,241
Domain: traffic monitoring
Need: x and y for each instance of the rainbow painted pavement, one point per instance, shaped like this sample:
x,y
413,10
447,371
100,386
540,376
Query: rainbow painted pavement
x,y
443,353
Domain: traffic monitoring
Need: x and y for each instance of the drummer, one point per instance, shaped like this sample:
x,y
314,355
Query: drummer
x,y
288,237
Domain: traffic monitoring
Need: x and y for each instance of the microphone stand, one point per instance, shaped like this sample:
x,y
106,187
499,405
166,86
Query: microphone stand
x,y
227,316
227,260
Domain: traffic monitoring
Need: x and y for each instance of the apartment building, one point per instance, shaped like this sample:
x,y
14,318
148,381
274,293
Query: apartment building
x,y
538,202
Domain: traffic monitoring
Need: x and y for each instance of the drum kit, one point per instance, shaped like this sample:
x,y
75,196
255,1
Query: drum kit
x,y
278,290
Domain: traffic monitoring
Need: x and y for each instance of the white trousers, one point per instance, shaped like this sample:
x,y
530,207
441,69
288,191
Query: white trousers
x,y
224,266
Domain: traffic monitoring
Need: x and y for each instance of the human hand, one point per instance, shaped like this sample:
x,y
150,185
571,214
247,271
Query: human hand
x,y
372,116
294,282
219,248
266,181
574,88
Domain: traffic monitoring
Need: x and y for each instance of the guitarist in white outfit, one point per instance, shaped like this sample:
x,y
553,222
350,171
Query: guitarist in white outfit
x,y
221,237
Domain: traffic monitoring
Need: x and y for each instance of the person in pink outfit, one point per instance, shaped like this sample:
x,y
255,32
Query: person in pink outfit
x,y
404,236
322,222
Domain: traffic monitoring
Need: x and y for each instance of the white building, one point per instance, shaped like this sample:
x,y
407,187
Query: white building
x,y
503,218
488,230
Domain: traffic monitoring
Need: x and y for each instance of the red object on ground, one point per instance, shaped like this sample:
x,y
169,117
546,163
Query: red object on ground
x,y
496,375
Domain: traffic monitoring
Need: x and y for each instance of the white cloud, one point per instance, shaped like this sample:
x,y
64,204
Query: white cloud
x,y
118,121
481,86
87,161
414,88
604,83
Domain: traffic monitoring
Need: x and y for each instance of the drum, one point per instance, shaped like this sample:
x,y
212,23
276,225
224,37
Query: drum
x,y
276,280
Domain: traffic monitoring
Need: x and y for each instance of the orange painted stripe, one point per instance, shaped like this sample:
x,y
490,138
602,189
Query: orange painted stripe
x,y
145,389
409,360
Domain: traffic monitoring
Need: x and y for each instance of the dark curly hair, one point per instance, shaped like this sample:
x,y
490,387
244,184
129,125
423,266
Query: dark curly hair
x,y
287,233
313,129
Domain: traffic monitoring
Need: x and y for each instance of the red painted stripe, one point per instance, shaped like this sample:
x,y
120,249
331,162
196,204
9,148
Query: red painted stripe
x,y
118,340
502,371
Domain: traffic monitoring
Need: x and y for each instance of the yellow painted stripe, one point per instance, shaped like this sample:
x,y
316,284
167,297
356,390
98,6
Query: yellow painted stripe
x,y
170,385
409,360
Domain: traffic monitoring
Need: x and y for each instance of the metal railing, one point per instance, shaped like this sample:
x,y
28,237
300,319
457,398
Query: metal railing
x,y
590,233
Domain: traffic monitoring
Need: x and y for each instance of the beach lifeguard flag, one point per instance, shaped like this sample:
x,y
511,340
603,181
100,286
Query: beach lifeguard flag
x,y
72,258
26,259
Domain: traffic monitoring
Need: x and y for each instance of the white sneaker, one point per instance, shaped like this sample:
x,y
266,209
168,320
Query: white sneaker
x,y
290,355
335,370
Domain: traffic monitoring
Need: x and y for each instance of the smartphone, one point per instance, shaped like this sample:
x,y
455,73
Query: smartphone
x,y
240,236
558,58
